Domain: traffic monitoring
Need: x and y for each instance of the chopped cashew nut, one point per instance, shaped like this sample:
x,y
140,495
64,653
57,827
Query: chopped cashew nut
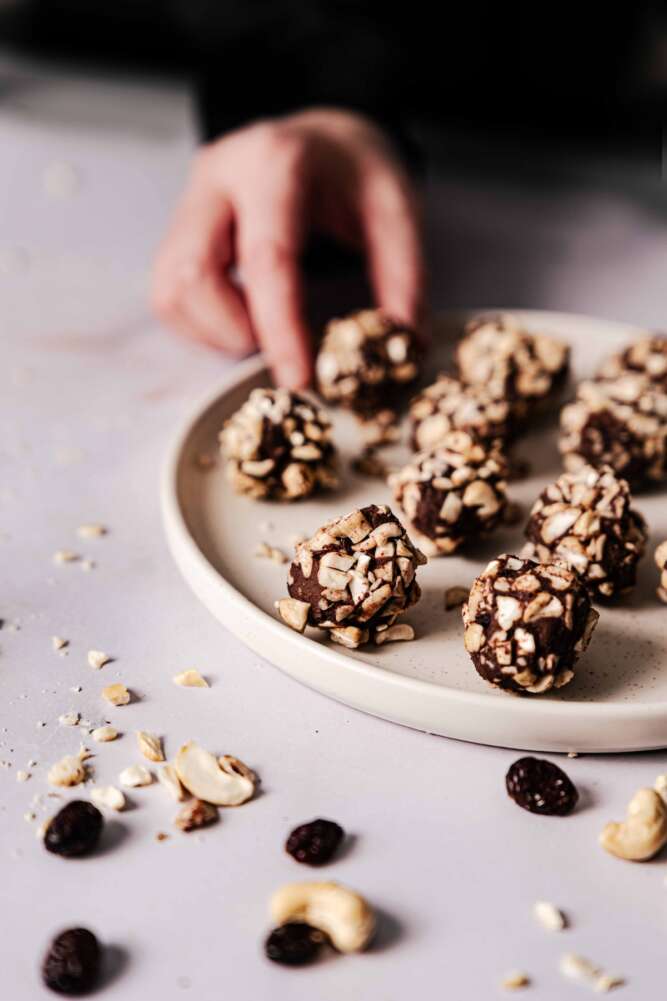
x,y
224,782
195,814
190,679
134,776
108,797
58,643
70,770
579,968
150,746
91,531
548,916
117,694
69,719
515,980
65,556
643,832
103,734
343,915
293,612
97,659
169,779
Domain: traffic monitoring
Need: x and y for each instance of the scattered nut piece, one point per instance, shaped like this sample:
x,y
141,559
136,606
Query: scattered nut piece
x,y
161,836
343,915
170,781
393,634
88,564
70,770
65,556
97,659
643,833
293,612
579,968
91,531
515,980
108,797
224,782
22,776
134,776
455,597
69,719
195,814
190,679
265,551
117,694
548,916
103,734
661,786
58,643
150,746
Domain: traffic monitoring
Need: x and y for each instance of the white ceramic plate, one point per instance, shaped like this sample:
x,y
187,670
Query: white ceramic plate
x,y
618,700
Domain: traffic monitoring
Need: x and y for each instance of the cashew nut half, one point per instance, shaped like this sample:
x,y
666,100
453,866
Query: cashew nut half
x,y
224,782
343,915
644,831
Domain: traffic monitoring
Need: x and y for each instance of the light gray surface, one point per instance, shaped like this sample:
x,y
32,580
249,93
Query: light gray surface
x,y
90,392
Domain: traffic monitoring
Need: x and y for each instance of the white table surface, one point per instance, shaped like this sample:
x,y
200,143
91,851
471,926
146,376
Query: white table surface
x,y
91,390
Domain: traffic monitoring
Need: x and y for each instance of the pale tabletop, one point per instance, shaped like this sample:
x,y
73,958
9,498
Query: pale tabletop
x,y
91,392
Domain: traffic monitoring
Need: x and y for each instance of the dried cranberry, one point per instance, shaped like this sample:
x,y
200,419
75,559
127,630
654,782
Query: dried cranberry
x,y
75,830
314,843
541,787
72,963
294,944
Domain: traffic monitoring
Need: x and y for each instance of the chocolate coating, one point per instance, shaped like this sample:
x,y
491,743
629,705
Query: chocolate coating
x,y
453,493
586,520
621,423
278,445
646,356
526,624
356,575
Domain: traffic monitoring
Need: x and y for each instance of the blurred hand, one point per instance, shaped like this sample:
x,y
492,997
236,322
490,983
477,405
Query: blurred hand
x,y
251,200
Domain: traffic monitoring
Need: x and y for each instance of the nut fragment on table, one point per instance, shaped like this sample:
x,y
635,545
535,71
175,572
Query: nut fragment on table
x,y
368,362
515,981
103,734
452,494
449,405
70,770
356,574
527,623
135,776
58,643
170,781
343,915
264,551
643,833
92,530
65,556
578,968
224,781
108,797
586,520
279,445
97,659
621,423
522,367
548,915
661,561
117,694
195,814
150,746
190,679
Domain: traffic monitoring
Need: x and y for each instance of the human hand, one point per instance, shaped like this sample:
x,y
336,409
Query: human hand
x,y
251,200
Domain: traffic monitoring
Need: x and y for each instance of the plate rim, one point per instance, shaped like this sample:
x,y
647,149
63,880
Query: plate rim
x,y
182,543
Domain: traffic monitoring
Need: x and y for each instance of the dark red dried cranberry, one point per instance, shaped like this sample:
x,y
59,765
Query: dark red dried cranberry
x,y
72,963
75,830
294,944
541,787
314,843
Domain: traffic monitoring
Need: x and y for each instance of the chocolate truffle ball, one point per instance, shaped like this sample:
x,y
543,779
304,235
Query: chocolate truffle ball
x,y
278,445
452,494
661,561
526,623
521,367
448,405
585,519
354,577
368,363
617,422
647,356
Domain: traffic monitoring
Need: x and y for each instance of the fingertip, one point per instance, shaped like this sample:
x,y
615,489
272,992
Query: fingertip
x,y
291,373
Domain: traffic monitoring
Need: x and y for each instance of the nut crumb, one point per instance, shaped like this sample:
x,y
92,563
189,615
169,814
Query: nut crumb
x,y
58,643
30,816
103,734
190,679
22,776
91,531
88,564
195,814
548,916
117,694
265,551
69,719
97,659
515,981
134,776
579,968
455,597
65,556
108,797
161,836
150,746
573,754
70,770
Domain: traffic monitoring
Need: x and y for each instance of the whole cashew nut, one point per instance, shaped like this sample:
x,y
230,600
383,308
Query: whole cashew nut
x,y
644,831
343,915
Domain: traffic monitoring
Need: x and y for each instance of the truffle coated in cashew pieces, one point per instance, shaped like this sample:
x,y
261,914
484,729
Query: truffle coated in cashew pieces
x,y
644,831
343,915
